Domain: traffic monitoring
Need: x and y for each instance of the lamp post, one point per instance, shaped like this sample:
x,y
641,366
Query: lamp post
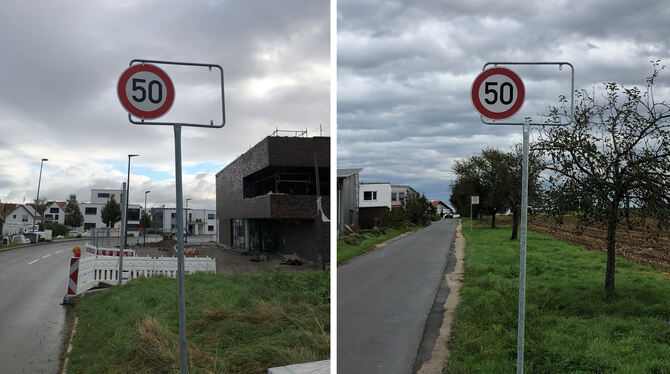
x,y
37,200
125,228
186,236
145,212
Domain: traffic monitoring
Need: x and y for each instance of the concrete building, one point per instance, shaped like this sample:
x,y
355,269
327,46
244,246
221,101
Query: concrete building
x,y
92,211
347,199
196,221
374,199
441,208
266,199
398,195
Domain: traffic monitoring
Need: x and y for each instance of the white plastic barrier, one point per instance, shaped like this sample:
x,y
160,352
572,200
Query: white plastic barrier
x,y
93,270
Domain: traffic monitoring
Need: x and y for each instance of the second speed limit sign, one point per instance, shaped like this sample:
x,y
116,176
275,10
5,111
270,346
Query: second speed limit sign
x,y
498,93
145,91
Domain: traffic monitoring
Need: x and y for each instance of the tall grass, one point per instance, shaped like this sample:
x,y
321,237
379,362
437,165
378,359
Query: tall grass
x,y
572,325
235,324
349,247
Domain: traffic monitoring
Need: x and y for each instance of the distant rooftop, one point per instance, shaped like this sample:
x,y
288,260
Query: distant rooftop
x,y
343,173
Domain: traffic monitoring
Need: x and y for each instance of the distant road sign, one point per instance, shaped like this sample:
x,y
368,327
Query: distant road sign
x,y
475,199
498,93
145,91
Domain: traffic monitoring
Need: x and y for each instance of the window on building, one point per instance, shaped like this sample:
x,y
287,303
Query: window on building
x,y
24,218
133,214
14,216
370,195
239,233
48,217
394,196
190,216
104,195
53,210
210,216
56,217
172,215
91,211
172,227
401,195
89,225
210,228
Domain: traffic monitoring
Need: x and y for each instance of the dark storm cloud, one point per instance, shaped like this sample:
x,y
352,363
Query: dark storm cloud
x,y
61,61
405,69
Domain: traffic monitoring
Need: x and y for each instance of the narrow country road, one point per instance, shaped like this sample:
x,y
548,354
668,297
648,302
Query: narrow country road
x,y
384,298
33,324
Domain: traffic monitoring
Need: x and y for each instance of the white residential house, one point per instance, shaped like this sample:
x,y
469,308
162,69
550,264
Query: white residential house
x,y
399,193
441,208
374,199
19,218
55,212
196,221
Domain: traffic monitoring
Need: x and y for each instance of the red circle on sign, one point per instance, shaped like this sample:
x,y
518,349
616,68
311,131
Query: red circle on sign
x,y
137,112
480,80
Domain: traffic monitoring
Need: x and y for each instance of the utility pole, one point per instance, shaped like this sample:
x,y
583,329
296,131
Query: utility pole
x,y
145,212
37,200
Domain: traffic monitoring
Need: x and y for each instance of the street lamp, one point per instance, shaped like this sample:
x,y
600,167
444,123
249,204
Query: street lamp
x,y
37,200
125,229
186,236
145,212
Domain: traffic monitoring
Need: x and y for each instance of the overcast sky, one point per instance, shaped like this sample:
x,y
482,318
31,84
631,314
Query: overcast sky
x,y
61,61
405,70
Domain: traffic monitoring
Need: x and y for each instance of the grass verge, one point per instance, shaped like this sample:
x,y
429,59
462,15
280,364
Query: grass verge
x,y
10,245
235,324
351,246
572,326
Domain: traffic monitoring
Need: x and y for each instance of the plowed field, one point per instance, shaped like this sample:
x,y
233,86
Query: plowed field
x,y
637,245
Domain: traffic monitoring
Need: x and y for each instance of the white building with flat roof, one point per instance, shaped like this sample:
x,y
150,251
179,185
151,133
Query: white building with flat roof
x,y
196,221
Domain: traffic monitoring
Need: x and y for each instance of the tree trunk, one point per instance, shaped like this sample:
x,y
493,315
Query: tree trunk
x,y
611,254
515,223
493,219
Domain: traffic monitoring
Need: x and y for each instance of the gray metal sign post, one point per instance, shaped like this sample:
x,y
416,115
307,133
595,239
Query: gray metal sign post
x,y
122,238
137,105
492,98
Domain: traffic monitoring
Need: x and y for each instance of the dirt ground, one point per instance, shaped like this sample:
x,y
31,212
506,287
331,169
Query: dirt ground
x,y
639,245
227,260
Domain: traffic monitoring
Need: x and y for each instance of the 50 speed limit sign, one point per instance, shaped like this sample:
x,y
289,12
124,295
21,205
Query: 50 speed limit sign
x,y
145,91
498,93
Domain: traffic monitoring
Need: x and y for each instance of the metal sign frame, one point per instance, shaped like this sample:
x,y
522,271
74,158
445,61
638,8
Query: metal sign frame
x,y
560,67
211,122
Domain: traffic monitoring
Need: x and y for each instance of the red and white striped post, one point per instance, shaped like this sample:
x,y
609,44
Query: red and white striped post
x,y
71,296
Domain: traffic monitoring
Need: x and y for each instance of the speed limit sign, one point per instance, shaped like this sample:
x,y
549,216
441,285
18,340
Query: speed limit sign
x,y
498,93
145,91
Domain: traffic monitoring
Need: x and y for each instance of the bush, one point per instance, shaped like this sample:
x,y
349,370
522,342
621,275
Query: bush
x,y
394,218
55,227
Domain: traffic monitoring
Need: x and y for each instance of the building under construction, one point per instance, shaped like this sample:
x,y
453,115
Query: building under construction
x,y
266,199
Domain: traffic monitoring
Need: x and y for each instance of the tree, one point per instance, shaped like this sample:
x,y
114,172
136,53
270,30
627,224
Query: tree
x,y
416,208
145,220
73,216
514,174
614,159
111,212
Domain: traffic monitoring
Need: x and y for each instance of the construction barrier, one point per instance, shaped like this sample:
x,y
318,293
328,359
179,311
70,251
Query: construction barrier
x,y
89,272
108,251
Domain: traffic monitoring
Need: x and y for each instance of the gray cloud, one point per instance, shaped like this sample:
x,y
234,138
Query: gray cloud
x,y
61,62
405,69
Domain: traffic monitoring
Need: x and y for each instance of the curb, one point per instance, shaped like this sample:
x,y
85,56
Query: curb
x,y
43,243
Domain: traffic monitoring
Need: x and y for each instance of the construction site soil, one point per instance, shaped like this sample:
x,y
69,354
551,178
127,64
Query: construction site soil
x,y
637,244
227,260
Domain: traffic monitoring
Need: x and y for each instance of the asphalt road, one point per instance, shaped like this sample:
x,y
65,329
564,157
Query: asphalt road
x,y
384,298
33,324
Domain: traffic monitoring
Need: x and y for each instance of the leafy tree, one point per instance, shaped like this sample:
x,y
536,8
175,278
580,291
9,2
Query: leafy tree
x,y
73,216
145,220
514,175
614,159
111,212
416,208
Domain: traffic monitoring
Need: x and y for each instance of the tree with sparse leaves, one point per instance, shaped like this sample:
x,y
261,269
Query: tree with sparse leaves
x,y
612,164
111,212
73,216
145,220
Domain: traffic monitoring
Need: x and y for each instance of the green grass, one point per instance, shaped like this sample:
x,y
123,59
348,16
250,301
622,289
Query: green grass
x,y
572,326
10,245
352,246
235,324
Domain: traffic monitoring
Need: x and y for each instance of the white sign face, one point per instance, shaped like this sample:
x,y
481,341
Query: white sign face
x,y
498,93
475,200
145,91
